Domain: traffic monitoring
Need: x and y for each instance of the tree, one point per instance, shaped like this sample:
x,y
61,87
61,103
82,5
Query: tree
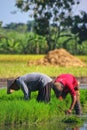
x,y
1,24
79,27
49,15
19,27
30,26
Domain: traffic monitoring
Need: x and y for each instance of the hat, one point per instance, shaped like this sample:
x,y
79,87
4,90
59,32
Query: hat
x,y
11,84
57,89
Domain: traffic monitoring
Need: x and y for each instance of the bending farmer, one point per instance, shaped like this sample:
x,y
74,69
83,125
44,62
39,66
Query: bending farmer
x,y
67,83
32,82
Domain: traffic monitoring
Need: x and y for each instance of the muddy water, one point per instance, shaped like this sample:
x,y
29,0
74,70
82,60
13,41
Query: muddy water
x,y
83,86
54,125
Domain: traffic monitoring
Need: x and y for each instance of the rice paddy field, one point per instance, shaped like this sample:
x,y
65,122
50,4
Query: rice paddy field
x,y
16,65
15,110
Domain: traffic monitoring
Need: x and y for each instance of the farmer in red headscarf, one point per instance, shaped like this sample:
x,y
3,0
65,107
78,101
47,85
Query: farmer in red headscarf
x,y
67,83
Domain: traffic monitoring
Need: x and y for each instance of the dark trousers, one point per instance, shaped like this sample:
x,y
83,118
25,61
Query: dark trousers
x,y
77,108
44,94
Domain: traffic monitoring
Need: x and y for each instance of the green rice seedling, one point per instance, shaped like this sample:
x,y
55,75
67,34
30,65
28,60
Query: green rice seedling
x,y
83,96
15,110
72,119
85,107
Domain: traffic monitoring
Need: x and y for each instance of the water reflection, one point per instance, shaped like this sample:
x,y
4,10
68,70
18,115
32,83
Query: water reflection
x,y
36,127
48,126
76,128
83,127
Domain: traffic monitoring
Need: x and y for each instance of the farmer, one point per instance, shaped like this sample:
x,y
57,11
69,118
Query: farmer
x,y
32,82
67,83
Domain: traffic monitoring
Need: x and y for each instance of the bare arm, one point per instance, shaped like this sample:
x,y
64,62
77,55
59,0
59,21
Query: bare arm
x,y
72,105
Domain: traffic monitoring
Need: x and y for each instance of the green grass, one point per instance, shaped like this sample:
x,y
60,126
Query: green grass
x,y
19,58
83,58
15,110
16,69
72,119
16,65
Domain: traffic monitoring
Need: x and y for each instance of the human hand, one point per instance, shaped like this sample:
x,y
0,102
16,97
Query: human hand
x,y
61,98
68,111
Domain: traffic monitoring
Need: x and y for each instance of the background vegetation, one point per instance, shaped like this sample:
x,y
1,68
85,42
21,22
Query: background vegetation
x,y
16,65
12,42
54,25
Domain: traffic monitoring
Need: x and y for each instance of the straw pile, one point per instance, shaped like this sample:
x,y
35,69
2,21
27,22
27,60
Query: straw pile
x,y
59,57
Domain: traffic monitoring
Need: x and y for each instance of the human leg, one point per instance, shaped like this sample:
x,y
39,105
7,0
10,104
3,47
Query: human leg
x,y
44,94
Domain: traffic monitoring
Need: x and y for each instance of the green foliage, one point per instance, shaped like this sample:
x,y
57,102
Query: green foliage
x,y
15,110
19,111
79,26
13,42
19,27
54,26
83,96
19,43
60,13
72,119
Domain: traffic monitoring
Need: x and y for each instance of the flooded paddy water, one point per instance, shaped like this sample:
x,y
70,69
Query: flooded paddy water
x,y
53,125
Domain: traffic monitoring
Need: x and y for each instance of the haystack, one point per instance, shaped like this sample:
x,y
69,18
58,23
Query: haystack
x,y
60,57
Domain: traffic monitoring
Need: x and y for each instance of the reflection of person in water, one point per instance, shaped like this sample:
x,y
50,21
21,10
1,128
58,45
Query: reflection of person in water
x,y
75,128
67,83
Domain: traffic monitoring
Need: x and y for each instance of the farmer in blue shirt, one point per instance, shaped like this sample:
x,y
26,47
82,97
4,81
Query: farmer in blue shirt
x,y
32,82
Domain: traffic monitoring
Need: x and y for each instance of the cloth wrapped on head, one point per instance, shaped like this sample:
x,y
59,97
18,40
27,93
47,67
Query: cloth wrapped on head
x,y
58,87
12,85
